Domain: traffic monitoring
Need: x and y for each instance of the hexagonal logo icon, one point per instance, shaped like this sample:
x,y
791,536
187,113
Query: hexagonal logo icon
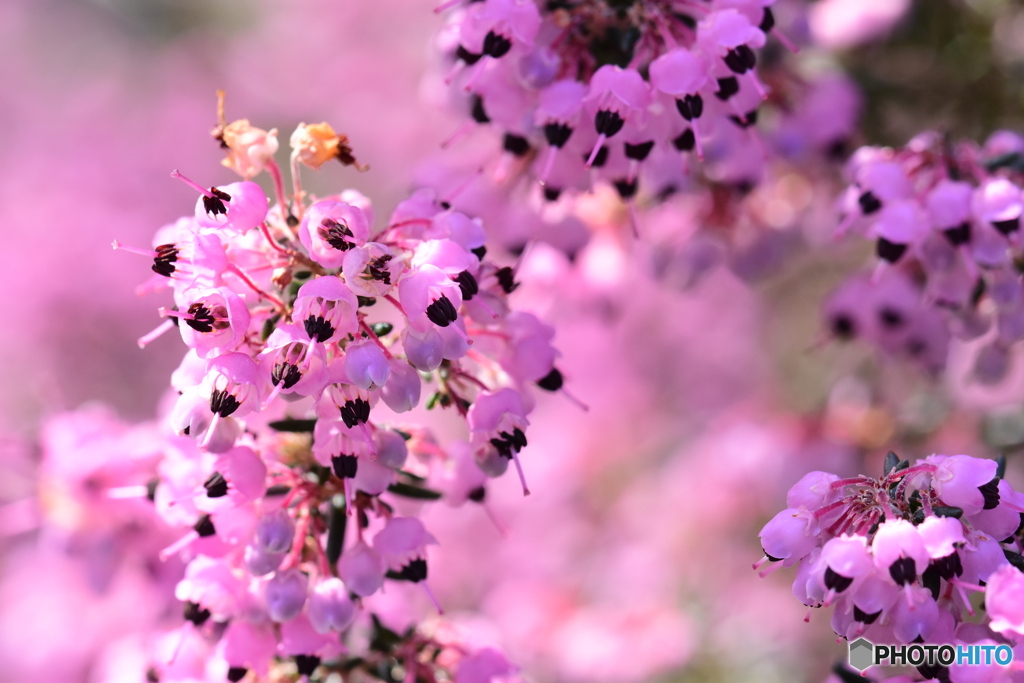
x,y
862,654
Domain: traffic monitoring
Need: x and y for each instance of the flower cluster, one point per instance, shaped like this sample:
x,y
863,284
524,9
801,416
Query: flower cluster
x,y
899,556
591,90
309,332
947,218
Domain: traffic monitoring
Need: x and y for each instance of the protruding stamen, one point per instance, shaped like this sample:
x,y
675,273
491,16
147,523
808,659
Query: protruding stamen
x,y
445,5
433,599
179,545
549,161
519,469
134,250
460,132
597,148
159,330
194,185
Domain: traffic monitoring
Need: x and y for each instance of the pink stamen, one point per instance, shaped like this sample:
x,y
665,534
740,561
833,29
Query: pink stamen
x,y
575,401
186,628
597,148
145,340
445,5
756,83
134,250
430,594
757,565
376,339
478,69
549,161
772,568
696,140
456,69
519,469
194,185
462,187
807,617
179,545
786,42
853,481
502,529
460,132
209,432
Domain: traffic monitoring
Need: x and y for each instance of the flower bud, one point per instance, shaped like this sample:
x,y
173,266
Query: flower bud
x,y
259,562
286,594
275,531
330,607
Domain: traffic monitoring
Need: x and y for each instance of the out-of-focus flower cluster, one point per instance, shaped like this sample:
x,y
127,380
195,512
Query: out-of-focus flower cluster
x,y
595,93
900,556
945,220
309,332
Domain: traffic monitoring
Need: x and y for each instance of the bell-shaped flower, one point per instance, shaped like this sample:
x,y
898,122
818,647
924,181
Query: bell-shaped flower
x,y
1004,601
249,148
392,450
373,478
362,569
212,321
403,541
329,607
401,391
429,298
301,640
275,531
246,645
326,308
424,349
616,95
499,25
958,481
238,477
790,535
949,205
330,229
259,561
292,363
214,585
899,550
941,535
366,366
529,355
236,208
915,617
458,227
285,594
998,201
558,115
372,269
813,491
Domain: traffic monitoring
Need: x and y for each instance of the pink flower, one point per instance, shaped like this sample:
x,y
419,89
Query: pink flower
x,y
330,229
1004,600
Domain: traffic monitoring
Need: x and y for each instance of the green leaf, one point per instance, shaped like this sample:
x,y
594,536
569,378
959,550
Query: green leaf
x,y
1001,466
410,491
366,301
290,424
268,326
382,328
